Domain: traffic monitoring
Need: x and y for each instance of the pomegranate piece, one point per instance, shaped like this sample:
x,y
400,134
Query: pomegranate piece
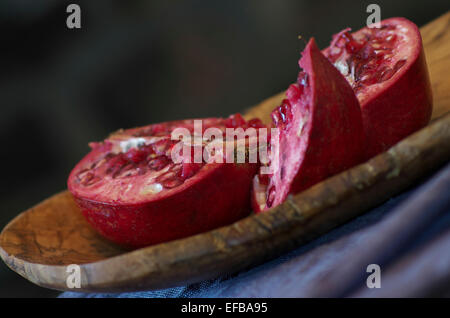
x,y
387,70
131,191
320,132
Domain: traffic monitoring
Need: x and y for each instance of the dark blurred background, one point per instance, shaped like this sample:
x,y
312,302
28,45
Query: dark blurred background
x,y
138,62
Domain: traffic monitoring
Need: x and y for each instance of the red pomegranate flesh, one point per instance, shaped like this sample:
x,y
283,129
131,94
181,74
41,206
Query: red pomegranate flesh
x,y
320,132
387,70
131,191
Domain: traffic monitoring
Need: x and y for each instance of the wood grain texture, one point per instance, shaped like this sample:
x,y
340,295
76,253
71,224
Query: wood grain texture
x,y
40,242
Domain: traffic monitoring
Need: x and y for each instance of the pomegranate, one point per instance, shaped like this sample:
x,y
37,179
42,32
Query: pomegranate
x,y
320,132
387,70
131,191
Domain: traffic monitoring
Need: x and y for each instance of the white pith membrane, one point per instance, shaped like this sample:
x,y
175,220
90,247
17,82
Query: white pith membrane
x,y
371,57
152,170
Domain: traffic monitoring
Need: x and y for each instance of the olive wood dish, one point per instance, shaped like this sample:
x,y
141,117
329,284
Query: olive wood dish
x,y
40,242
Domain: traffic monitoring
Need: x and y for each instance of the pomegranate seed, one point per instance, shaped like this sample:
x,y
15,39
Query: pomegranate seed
x,y
283,110
97,164
89,179
399,64
166,176
256,123
176,168
386,74
123,171
235,121
282,114
172,183
271,196
116,163
158,163
161,147
82,174
135,155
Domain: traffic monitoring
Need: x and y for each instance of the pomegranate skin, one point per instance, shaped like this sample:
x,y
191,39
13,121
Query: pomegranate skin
x,y
400,109
216,198
401,105
336,140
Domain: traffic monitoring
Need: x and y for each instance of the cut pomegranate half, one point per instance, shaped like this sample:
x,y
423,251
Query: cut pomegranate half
x,y
387,70
320,132
130,190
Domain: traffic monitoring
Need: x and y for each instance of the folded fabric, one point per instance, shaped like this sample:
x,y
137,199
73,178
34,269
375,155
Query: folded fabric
x,y
407,236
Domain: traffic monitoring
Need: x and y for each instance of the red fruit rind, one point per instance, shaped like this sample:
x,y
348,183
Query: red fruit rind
x,y
214,198
321,131
386,67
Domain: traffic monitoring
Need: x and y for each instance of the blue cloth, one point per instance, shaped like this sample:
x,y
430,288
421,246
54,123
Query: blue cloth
x,y
400,235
